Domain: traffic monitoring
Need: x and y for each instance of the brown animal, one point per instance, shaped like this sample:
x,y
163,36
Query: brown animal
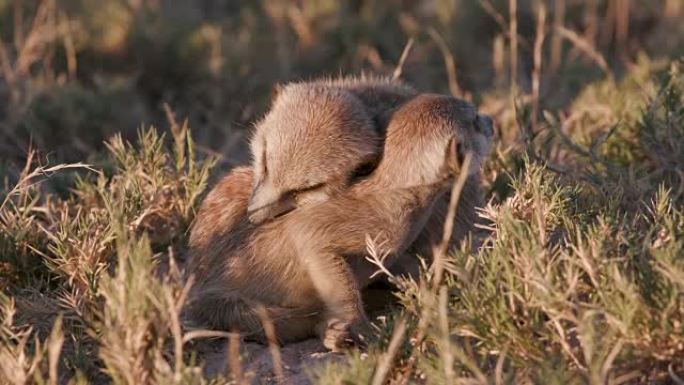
x,y
379,95
295,178
309,146
295,265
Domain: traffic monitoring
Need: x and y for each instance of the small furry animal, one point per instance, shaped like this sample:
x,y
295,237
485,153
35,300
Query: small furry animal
x,y
297,265
309,121
286,177
379,95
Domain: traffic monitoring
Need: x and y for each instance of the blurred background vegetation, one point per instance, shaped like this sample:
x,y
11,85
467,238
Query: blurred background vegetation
x,y
74,72
585,184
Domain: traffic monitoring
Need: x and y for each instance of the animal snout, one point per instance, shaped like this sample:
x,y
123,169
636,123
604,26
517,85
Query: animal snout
x,y
485,124
266,204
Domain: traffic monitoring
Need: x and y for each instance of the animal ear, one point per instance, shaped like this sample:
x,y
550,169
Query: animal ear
x,y
275,91
453,157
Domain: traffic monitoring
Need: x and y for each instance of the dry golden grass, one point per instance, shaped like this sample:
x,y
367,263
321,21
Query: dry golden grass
x,y
580,274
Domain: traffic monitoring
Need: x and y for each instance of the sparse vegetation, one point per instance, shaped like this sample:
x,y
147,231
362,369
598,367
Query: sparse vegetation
x,y
580,274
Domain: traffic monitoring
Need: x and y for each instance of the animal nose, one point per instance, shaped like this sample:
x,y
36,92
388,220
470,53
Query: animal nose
x,y
485,124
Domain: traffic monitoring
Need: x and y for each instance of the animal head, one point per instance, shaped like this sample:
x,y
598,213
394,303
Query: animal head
x,y
428,138
308,146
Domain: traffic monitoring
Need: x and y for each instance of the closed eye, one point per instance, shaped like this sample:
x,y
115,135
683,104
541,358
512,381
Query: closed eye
x,y
310,188
301,195
264,169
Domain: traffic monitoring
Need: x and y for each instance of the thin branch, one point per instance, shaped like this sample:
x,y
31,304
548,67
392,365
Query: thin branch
x,y
584,46
556,39
269,330
536,74
26,181
489,8
402,59
513,35
438,263
376,256
622,24
18,24
234,359
449,62
447,354
201,333
442,248
385,363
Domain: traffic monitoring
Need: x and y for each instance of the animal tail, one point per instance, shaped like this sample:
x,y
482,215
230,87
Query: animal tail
x,y
231,313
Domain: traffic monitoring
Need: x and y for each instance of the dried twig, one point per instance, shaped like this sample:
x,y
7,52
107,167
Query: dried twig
x,y
443,247
536,74
449,62
556,39
489,8
301,26
447,355
439,261
18,24
513,36
234,358
591,16
27,179
402,59
174,316
69,46
498,369
377,256
385,363
622,24
584,46
54,349
678,380
201,333
269,330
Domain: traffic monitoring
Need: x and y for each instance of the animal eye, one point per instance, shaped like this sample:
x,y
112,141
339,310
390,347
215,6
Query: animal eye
x,y
310,188
298,194
264,168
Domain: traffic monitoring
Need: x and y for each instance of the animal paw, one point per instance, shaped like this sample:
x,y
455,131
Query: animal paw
x,y
360,331
340,335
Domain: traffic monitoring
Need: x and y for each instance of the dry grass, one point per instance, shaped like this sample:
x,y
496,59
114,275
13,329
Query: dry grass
x,y
580,275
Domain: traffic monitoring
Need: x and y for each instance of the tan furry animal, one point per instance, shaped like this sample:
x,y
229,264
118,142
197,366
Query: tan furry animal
x,y
287,178
295,265
379,95
309,146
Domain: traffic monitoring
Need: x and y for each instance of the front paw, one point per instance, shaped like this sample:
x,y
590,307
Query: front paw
x,y
340,335
360,331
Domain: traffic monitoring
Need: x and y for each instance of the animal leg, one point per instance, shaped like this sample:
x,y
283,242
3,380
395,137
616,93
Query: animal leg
x,y
344,321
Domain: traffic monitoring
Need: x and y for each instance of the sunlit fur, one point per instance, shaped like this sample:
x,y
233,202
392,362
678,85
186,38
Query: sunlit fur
x,y
304,266
312,139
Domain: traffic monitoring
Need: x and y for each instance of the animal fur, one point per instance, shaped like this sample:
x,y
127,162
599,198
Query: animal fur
x,y
298,265
309,146
312,177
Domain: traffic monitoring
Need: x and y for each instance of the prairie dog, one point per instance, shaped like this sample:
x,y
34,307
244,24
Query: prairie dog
x,y
295,264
